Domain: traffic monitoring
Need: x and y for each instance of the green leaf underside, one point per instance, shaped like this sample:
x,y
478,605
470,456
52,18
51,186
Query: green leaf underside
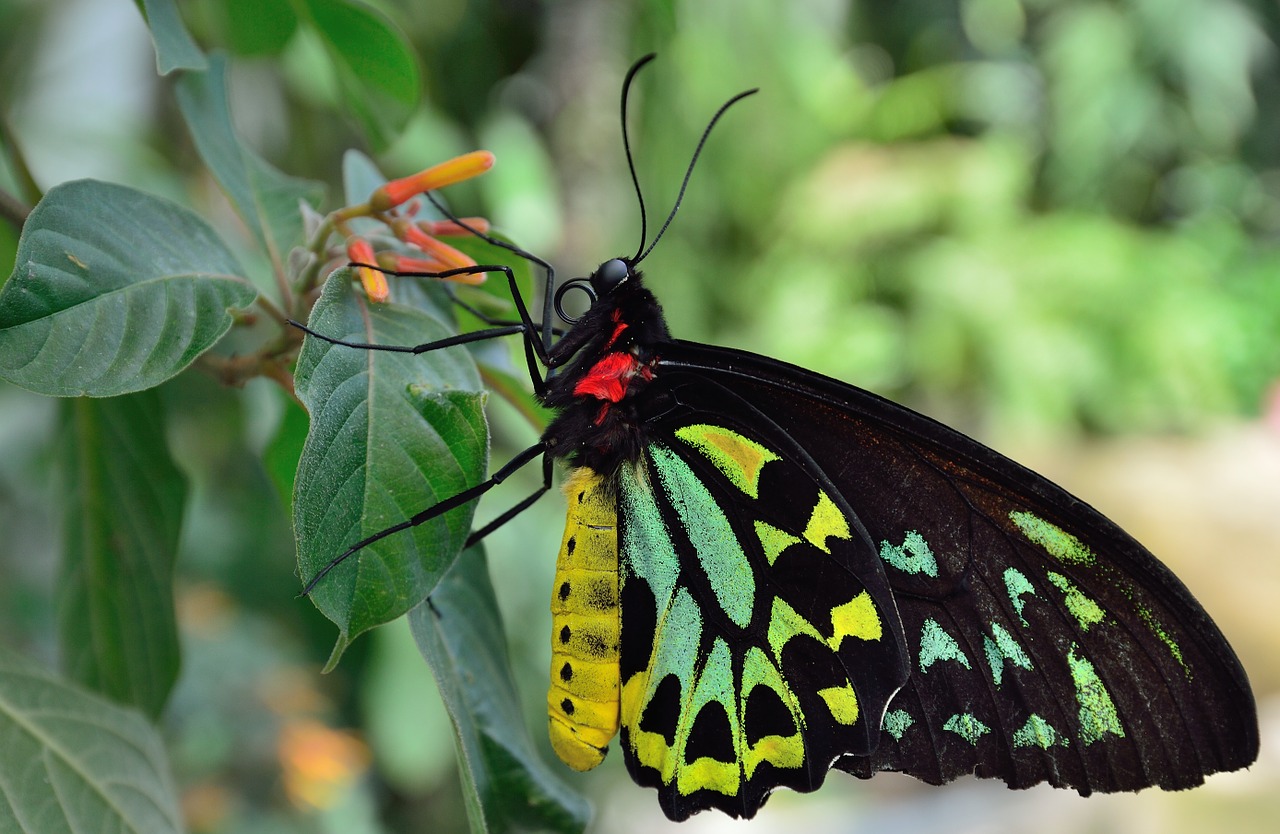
x,y
391,434
73,762
258,27
175,48
377,69
124,499
508,786
113,291
264,198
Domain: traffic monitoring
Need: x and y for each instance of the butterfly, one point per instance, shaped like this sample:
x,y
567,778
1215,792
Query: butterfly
x,y
767,574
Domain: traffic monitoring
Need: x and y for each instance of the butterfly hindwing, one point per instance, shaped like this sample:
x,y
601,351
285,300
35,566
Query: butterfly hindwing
x,y
759,635
1045,643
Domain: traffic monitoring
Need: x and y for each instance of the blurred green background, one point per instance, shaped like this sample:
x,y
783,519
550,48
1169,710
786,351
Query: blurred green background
x,y
1050,223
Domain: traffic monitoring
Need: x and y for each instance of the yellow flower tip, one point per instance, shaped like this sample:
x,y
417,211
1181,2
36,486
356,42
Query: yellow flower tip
x,y
362,257
446,173
375,284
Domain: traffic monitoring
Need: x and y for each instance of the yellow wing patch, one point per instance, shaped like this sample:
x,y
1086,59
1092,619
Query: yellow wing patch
x,y
826,522
843,703
773,541
739,458
856,618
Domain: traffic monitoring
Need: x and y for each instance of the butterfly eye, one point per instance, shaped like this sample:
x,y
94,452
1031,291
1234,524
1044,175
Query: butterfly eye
x,y
610,275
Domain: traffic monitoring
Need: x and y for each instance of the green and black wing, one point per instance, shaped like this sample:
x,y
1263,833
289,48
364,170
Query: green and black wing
x,y
1042,643
759,635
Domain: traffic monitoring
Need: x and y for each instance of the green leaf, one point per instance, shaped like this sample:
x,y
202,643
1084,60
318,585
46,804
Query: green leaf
x,y
74,762
174,47
280,457
264,198
361,176
391,434
113,291
508,785
376,66
258,27
123,511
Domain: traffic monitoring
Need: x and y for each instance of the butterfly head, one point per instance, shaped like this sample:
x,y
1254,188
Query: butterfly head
x,y
602,284
610,275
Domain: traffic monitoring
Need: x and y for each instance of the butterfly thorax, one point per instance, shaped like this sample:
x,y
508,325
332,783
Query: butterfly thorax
x,y
608,357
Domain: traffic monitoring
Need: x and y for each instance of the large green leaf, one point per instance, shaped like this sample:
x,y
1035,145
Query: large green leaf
x,y
72,762
257,27
391,434
376,67
175,48
113,291
508,786
266,199
123,504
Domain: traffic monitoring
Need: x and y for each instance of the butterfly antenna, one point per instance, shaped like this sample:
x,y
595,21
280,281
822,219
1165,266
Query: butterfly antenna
x,y
689,173
626,145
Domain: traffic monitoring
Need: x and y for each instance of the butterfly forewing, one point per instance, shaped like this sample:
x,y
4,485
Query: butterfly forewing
x,y
759,635
1045,643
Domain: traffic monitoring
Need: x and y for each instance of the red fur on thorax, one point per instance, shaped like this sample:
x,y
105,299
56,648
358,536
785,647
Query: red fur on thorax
x,y
607,380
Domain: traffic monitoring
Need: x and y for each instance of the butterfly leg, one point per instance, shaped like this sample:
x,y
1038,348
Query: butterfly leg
x,y
514,511
536,353
544,331
513,465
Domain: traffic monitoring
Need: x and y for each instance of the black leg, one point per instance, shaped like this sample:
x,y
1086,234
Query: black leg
x,y
437,510
450,341
512,512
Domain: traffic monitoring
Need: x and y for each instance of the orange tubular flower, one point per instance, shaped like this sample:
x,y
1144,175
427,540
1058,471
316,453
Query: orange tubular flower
x,y
400,263
447,228
437,176
360,252
446,255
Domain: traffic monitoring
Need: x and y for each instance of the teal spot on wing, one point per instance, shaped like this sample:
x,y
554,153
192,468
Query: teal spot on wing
x,y
912,556
1001,649
646,549
1163,636
1038,733
1085,611
715,683
967,727
718,549
1057,542
937,645
676,640
897,722
1098,716
1018,586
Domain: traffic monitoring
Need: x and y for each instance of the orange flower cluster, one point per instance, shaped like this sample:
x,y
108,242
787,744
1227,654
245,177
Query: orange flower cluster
x,y
423,235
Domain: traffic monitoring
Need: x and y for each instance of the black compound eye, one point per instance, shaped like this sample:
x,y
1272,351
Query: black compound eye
x,y
610,275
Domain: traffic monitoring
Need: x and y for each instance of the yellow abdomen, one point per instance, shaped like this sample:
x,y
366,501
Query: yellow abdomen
x,y
582,702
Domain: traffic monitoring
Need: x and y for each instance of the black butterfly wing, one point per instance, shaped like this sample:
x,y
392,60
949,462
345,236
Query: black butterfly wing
x,y
1046,644
760,639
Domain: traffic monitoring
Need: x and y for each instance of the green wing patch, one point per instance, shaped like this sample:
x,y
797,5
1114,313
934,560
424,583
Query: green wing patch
x,y
731,685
